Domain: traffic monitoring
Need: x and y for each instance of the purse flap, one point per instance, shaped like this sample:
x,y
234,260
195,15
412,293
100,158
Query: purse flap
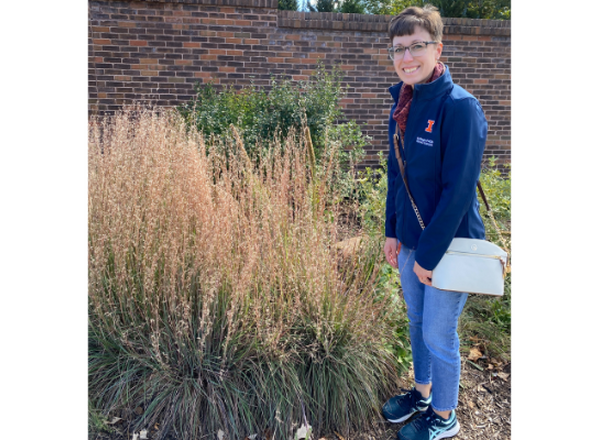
x,y
475,246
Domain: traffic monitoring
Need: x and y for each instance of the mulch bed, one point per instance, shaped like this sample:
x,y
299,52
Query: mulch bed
x,y
484,404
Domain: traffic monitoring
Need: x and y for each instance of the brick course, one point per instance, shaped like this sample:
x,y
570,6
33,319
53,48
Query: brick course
x,y
155,51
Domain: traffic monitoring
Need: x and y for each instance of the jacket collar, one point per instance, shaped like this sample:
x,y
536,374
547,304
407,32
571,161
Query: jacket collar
x,y
426,91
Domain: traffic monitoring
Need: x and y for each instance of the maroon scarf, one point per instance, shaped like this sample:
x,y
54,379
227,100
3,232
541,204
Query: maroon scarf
x,y
406,94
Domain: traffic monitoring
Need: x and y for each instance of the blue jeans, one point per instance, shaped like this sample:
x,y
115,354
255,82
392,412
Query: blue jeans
x,y
433,320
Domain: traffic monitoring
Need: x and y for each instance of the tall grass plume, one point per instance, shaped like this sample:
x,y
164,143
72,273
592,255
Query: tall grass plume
x,y
217,300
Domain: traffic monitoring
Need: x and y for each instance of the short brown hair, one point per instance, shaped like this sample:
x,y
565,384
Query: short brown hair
x,y
427,17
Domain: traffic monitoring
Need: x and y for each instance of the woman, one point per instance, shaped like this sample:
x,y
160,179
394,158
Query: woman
x,y
441,134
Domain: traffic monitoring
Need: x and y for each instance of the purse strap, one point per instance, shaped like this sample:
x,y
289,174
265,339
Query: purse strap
x,y
402,165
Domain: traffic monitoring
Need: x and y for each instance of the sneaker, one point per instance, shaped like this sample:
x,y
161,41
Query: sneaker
x,y
430,426
401,408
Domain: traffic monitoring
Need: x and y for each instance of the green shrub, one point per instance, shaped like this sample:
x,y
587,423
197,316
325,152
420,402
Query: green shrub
x,y
216,298
371,198
288,106
497,190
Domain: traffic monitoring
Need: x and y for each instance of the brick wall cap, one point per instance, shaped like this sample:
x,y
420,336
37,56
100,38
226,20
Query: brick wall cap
x,y
379,23
259,4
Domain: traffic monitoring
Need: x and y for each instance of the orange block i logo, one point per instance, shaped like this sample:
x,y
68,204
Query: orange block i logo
x,y
428,129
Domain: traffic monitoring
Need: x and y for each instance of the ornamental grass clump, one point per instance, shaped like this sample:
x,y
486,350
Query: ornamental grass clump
x,y
216,299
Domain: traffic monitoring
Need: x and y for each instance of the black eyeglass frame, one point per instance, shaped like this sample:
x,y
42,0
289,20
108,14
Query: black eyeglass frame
x,y
392,50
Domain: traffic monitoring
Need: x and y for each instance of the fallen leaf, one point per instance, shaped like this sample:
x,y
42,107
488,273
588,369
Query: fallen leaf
x,y
339,436
503,376
115,420
143,434
135,436
474,354
139,410
303,431
220,435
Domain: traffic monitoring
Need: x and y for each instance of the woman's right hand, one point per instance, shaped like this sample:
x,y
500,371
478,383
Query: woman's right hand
x,y
391,249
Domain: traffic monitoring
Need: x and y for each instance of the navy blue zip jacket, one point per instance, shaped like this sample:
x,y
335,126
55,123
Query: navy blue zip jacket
x,y
444,141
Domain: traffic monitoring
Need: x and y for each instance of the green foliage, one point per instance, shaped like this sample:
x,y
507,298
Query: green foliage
x,y
378,7
352,7
286,107
450,8
287,5
372,193
399,346
262,114
497,189
489,9
326,5
371,196
482,9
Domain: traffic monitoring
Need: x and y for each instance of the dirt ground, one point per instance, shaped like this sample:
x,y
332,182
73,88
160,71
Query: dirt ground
x,y
484,409
485,404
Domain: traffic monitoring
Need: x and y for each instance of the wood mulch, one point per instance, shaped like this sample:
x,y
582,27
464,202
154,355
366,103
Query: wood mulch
x,y
484,404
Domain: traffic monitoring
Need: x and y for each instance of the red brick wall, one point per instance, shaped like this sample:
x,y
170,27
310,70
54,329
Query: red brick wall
x,y
154,51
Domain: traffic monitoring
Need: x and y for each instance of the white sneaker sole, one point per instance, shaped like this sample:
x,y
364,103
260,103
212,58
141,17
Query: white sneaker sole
x,y
450,433
402,419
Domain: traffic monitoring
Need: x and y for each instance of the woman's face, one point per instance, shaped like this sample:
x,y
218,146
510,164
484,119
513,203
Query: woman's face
x,y
413,69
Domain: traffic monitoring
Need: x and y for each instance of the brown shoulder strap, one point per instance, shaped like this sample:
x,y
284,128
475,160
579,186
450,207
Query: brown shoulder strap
x,y
480,188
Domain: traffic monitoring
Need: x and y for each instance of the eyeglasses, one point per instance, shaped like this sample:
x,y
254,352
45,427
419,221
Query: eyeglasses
x,y
415,49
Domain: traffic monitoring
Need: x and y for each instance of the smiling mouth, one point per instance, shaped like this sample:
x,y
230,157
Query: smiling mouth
x,y
410,69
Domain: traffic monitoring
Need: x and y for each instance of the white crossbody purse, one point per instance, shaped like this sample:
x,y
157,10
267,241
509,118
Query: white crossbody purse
x,y
472,266
469,265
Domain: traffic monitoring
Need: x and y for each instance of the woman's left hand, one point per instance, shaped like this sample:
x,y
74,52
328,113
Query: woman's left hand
x,y
424,275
